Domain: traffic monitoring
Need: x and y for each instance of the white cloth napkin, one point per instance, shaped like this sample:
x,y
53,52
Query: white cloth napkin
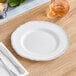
x,y
4,72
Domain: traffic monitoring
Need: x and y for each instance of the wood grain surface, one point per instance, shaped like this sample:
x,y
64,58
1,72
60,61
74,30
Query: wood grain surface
x,y
65,65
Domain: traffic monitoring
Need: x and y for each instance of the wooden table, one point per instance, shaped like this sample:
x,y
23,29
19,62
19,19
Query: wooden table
x,y
65,65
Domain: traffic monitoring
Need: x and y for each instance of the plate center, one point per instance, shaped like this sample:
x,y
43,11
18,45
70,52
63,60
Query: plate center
x,y
40,42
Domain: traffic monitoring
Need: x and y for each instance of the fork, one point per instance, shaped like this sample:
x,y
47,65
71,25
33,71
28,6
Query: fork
x,y
8,69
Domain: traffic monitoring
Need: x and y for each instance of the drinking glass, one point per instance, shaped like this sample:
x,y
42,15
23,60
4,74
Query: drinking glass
x,y
3,8
58,8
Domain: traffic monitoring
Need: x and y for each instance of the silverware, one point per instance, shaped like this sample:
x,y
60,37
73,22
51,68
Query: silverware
x,y
5,53
7,69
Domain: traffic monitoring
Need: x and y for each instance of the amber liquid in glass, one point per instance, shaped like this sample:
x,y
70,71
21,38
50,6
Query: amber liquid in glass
x,y
58,8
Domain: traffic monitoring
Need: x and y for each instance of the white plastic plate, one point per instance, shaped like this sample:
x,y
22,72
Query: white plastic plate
x,y
39,40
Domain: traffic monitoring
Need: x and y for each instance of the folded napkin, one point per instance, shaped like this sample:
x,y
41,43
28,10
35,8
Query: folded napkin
x,y
3,71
